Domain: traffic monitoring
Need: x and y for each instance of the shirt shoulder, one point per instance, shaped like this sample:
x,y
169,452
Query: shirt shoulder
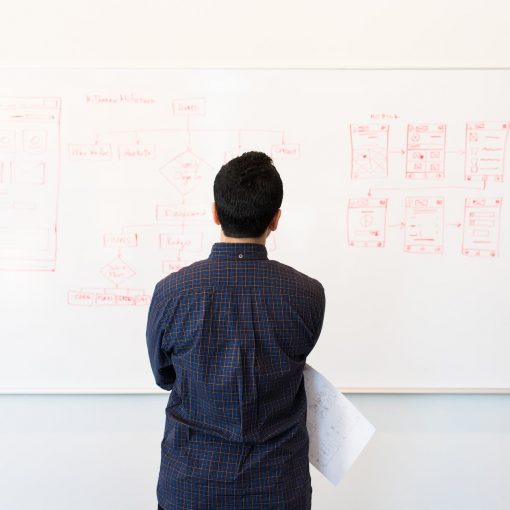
x,y
209,274
299,280
185,279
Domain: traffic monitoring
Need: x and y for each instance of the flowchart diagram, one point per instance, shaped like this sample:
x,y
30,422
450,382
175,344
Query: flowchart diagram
x,y
428,182
176,232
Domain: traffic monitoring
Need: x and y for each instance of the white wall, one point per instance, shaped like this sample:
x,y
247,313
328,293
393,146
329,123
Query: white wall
x,y
430,452
102,452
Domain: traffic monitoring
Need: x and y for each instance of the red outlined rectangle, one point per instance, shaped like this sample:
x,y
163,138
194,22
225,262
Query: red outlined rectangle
x,y
172,266
369,150
182,242
425,154
93,151
108,297
486,145
366,222
25,110
137,151
482,224
125,300
286,151
424,225
142,300
80,298
180,214
190,106
7,140
120,240
30,174
34,141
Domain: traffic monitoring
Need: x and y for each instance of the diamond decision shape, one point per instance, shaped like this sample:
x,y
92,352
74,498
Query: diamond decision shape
x,y
117,271
185,171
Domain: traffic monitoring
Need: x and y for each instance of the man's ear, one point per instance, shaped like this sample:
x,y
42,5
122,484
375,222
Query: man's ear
x,y
274,222
215,216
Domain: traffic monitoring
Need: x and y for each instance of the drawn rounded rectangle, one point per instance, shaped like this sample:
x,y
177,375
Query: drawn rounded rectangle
x,y
93,151
28,173
35,141
80,298
182,213
7,140
286,151
187,241
189,106
123,240
137,152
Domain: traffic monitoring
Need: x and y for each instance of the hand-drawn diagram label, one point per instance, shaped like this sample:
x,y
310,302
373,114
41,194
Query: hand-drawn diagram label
x,y
93,151
192,106
108,297
286,151
182,214
188,241
137,151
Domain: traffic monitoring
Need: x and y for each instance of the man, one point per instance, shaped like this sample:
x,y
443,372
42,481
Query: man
x,y
229,335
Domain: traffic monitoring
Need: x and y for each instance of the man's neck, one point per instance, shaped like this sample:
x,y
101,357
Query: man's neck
x,y
251,240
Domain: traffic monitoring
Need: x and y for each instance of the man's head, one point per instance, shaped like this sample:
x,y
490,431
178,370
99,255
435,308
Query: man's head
x,y
248,193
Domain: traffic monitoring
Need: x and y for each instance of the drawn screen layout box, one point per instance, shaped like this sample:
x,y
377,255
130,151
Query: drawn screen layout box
x,y
30,161
369,150
366,222
481,227
424,226
485,150
425,151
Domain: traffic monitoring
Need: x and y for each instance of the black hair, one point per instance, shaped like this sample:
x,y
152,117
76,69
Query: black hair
x,y
248,192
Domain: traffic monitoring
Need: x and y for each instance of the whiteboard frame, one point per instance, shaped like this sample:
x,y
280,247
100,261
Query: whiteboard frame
x,y
346,390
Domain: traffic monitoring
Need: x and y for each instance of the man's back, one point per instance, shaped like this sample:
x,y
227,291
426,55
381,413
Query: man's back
x,y
230,336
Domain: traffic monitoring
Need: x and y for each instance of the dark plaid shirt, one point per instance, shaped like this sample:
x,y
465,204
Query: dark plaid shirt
x,y
229,336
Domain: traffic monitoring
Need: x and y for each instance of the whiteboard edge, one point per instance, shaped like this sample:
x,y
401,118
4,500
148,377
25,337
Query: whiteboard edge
x,y
347,390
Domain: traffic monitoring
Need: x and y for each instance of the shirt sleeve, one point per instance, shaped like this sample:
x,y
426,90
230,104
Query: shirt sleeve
x,y
159,356
319,311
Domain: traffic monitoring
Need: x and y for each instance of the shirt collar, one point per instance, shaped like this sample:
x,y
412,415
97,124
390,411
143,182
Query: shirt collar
x,y
238,251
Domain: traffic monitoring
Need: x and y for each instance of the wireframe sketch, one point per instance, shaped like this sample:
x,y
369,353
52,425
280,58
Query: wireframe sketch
x,y
369,150
482,223
424,225
366,219
486,150
29,182
425,151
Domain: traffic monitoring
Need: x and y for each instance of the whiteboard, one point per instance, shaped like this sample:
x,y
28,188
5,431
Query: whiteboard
x,y
396,199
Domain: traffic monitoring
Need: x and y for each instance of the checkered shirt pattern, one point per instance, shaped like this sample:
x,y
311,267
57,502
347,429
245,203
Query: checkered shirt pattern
x,y
229,335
